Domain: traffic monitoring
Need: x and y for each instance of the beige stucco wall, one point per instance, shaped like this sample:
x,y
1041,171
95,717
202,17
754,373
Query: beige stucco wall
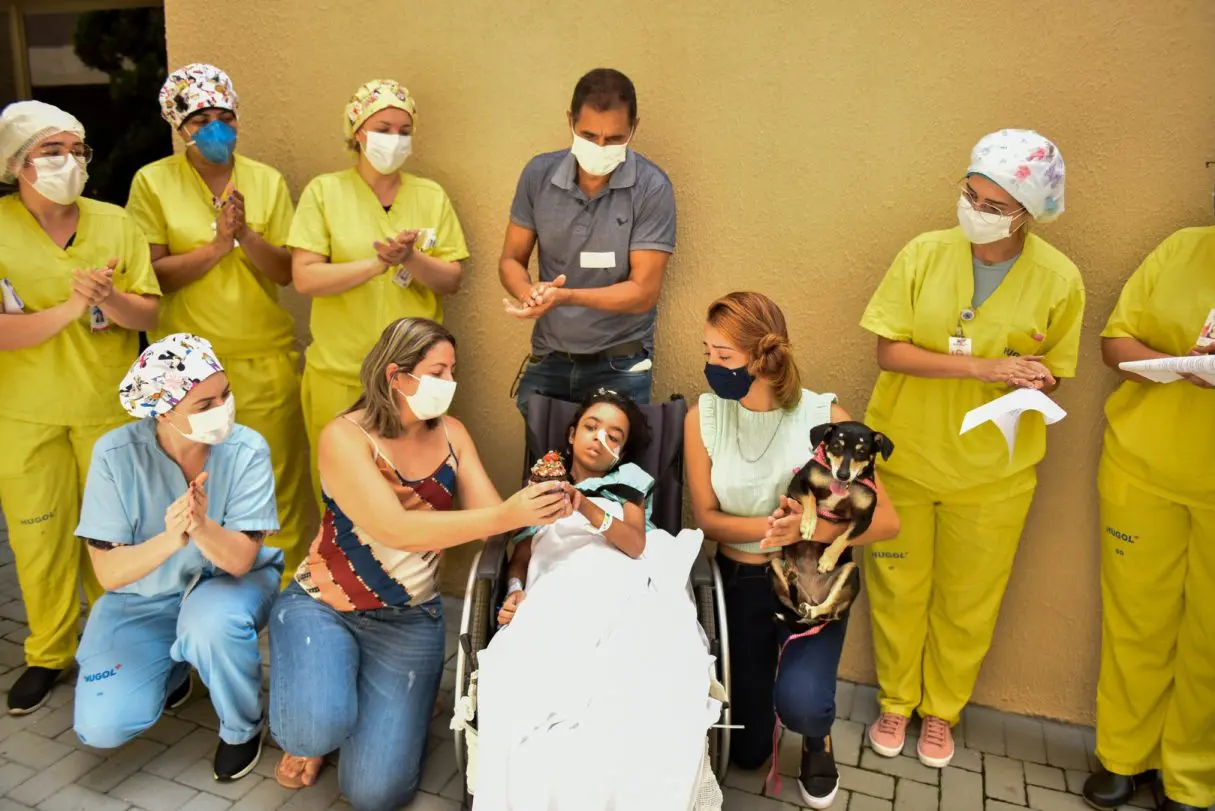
x,y
807,142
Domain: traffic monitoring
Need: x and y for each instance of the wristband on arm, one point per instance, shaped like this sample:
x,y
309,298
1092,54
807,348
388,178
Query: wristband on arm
x,y
513,585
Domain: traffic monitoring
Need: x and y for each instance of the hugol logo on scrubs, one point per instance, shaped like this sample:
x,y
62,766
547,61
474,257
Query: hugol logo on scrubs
x,y
103,674
1122,536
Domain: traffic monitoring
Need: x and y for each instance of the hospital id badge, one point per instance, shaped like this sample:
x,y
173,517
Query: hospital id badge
x,y
402,277
426,239
98,322
959,345
1207,336
10,302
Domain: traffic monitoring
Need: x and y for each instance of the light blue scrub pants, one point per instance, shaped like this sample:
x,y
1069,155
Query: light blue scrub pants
x,y
136,650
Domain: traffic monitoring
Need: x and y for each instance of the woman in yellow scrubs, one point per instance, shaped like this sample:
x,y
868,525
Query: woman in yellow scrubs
x,y
962,317
370,244
1156,693
77,287
217,222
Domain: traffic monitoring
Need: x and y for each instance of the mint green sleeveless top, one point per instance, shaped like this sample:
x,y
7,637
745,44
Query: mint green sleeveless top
x,y
754,453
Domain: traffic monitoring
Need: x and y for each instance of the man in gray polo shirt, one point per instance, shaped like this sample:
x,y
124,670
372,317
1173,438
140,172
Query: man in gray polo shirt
x,y
604,219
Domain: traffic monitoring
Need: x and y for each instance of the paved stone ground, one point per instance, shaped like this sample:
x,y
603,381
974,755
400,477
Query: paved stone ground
x,y
1003,762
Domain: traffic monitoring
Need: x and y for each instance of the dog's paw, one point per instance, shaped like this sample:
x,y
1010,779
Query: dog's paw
x,y
827,561
809,521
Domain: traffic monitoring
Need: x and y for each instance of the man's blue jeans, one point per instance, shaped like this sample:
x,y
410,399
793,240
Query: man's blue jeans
x,y
363,682
561,378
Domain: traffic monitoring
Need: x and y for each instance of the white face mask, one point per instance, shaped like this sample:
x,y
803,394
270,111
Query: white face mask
x,y
60,184
386,152
214,425
598,160
982,229
433,397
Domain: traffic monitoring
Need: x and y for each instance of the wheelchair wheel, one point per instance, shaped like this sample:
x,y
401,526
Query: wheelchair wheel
x,y
722,763
468,618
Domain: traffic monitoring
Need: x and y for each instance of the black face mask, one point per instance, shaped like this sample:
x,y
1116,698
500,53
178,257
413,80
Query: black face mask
x,y
728,384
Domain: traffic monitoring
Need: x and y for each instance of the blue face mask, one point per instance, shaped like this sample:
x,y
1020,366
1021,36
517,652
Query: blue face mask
x,y
215,142
728,384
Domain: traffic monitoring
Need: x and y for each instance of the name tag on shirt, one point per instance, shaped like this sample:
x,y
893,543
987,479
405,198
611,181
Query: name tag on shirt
x,y
605,260
402,277
959,346
426,239
1207,336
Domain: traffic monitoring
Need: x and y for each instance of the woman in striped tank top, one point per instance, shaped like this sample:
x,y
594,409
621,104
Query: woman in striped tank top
x,y
357,640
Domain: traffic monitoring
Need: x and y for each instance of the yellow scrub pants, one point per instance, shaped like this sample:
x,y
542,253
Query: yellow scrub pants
x,y
324,398
1156,692
267,391
42,475
935,590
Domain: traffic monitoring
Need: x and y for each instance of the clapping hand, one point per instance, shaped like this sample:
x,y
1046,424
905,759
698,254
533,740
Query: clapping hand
x,y
540,299
395,251
784,525
96,285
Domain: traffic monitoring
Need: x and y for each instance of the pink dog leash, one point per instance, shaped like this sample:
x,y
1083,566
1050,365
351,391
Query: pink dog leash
x,y
773,781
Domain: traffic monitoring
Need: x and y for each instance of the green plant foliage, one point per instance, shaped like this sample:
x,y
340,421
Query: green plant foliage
x,y
129,45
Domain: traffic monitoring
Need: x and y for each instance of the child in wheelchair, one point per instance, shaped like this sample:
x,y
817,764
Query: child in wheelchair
x,y
596,693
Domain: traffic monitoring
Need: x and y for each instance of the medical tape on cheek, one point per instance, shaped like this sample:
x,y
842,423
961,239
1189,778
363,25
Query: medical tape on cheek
x,y
603,440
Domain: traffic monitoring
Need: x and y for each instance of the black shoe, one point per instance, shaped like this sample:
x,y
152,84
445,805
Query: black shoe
x,y
820,780
32,689
181,695
1107,791
1173,805
234,760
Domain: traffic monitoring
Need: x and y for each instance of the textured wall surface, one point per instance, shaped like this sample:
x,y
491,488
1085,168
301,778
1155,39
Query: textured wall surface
x,y
807,142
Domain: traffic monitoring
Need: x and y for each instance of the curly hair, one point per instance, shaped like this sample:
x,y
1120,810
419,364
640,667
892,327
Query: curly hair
x,y
640,434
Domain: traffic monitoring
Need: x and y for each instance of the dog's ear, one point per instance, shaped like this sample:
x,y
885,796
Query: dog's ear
x,y
884,445
821,433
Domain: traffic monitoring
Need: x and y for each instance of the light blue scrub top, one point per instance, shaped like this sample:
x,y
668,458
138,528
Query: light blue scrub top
x,y
132,482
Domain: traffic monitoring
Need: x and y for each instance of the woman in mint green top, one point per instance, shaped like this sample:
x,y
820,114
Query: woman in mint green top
x,y
742,444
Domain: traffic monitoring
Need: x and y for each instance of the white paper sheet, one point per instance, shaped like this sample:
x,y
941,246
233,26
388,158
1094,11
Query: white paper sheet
x,y
1005,413
1166,370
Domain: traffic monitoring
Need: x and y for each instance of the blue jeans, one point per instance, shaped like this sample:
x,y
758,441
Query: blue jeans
x,y
802,691
136,650
559,377
363,682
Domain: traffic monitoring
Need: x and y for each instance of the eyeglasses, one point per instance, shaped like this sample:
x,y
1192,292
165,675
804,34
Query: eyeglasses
x,y
988,212
57,155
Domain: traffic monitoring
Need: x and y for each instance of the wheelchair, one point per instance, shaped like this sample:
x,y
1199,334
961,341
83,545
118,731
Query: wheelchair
x,y
547,424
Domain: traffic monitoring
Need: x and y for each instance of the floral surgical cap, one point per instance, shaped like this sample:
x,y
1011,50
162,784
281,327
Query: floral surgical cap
x,y
1027,166
22,125
165,373
193,88
376,95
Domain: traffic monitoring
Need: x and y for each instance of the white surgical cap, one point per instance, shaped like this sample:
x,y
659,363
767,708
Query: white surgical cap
x,y
1027,166
25,123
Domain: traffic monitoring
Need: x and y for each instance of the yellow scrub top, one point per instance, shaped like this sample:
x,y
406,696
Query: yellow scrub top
x,y
1162,434
233,305
1036,310
71,379
340,217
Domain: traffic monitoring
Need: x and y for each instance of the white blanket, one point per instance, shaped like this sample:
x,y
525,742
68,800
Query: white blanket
x,y
595,697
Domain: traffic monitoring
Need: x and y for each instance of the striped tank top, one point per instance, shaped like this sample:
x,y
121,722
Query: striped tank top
x,y
349,570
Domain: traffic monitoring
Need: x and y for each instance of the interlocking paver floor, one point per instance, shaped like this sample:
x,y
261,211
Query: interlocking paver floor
x,y
1003,761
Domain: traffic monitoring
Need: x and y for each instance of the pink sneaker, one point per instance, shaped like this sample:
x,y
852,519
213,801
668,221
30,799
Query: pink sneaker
x,y
888,734
936,742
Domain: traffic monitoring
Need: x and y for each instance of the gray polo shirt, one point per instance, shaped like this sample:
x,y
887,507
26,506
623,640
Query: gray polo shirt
x,y
589,241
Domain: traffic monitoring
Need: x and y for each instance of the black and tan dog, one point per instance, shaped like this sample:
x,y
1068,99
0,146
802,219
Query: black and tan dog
x,y
836,484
